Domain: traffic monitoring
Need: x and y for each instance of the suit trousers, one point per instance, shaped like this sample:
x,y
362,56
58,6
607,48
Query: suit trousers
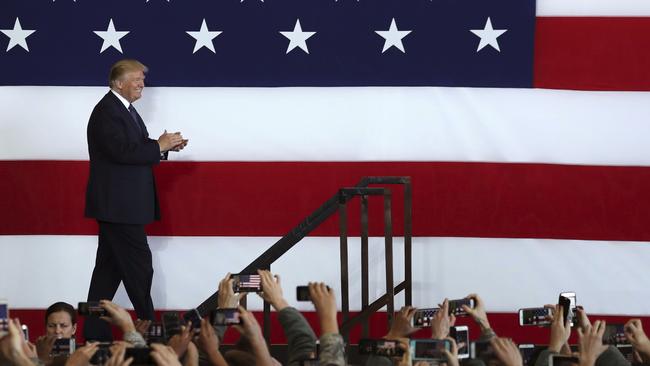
x,y
123,255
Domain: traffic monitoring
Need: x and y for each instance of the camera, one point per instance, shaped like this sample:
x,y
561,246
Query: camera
x,y
247,283
535,316
225,317
91,308
380,347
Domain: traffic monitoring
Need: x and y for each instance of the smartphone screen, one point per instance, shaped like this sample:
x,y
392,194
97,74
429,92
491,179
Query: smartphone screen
x,y
422,317
225,317
534,316
247,283
429,349
456,306
461,336
614,334
4,317
302,293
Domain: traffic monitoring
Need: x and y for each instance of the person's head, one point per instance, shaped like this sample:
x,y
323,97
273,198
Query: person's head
x,y
61,320
127,79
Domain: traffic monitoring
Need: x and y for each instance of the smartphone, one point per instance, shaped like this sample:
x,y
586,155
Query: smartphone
x,y
247,282
422,317
25,330
194,317
483,350
428,349
627,350
225,317
91,308
561,360
535,316
4,317
155,333
302,293
171,323
140,355
530,353
615,334
460,334
568,302
456,306
102,355
63,347
380,347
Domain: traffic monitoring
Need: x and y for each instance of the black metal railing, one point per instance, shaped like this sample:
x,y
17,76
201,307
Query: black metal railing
x,y
339,203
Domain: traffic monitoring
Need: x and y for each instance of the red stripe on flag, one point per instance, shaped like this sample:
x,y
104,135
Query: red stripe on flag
x,y
592,53
257,199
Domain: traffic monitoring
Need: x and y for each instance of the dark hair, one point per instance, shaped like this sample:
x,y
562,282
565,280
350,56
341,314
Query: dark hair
x,y
62,306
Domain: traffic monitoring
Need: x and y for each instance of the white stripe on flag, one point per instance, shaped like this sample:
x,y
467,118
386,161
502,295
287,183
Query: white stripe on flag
x,y
608,277
349,124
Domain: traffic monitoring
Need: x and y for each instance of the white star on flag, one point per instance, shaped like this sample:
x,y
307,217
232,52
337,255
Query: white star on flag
x,y
17,36
393,37
111,37
204,37
488,35
297,38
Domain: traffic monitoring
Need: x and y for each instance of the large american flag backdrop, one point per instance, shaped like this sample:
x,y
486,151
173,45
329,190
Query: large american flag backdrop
x,y
523,125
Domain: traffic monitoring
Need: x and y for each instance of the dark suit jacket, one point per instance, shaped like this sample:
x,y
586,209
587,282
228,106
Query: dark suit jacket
x,y
121,187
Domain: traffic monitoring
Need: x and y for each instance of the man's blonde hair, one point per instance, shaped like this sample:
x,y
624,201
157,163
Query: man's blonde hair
x,y
123,67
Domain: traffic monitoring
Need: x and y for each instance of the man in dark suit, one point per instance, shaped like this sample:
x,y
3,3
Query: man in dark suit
x,y
121,192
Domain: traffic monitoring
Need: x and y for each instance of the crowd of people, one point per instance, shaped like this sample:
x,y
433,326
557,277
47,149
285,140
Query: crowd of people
x,y
202,344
